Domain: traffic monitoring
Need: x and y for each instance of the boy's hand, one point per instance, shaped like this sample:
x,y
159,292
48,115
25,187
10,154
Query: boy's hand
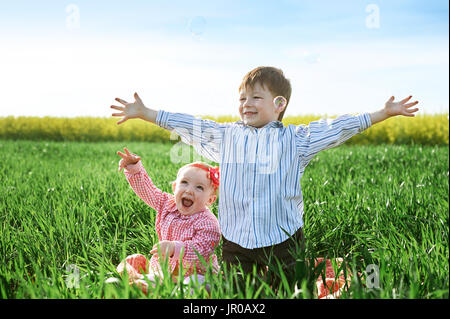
x,y
166,247
127,159
392,108
400,108
130,110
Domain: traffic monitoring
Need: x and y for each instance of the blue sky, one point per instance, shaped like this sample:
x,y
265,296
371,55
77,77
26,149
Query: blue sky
x,y
66,58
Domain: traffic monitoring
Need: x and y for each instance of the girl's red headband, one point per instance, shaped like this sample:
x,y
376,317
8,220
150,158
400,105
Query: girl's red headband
x,y
213,173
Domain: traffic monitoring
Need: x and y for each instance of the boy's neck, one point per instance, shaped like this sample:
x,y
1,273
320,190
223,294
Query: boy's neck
x,y
276,123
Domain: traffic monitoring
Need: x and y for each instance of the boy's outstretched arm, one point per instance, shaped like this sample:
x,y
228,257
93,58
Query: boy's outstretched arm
x,y
137,109
204,134
392,108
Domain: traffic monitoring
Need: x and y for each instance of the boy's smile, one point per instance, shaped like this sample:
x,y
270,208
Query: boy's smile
x,y
256,106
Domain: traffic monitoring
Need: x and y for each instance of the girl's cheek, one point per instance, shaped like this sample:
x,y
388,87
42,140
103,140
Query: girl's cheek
x,y
178,189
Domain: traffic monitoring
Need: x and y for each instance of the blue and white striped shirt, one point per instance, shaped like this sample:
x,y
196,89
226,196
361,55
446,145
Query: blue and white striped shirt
x,y
260,195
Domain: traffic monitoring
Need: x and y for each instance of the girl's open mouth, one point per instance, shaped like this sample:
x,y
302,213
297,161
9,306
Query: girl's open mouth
x,y
187,202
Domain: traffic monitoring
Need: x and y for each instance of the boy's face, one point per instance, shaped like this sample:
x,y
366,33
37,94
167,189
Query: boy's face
x,y
256,106
193,191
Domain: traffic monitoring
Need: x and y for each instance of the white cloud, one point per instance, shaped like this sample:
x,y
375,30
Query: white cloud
x,y
78,76
353,77
70,78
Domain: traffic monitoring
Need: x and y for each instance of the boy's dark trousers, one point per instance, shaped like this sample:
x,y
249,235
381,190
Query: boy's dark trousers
x,y
264,258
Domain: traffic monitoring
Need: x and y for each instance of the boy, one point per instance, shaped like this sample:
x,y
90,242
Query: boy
x,y
261,162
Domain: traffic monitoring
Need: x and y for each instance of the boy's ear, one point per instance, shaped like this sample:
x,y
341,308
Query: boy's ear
x,y
174,184
280,103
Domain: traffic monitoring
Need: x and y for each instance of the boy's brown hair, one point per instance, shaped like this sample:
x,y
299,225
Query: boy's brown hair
x,y
273,79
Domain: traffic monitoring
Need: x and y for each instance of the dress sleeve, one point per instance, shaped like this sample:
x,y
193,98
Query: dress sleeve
x,y
327,133
204,135
143,186
206,238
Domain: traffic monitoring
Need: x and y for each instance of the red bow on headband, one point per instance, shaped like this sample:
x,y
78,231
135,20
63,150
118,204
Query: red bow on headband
x,y
213,173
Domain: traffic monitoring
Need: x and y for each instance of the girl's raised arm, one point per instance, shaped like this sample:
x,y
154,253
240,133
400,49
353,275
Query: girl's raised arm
x,y
140,181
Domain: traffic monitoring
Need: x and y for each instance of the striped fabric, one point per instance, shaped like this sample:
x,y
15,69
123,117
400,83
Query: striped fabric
x,y
260,196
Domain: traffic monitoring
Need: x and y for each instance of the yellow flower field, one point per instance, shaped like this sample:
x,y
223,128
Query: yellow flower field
x,y
422,129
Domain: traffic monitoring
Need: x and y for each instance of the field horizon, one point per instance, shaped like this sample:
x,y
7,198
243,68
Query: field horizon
x,y
422,129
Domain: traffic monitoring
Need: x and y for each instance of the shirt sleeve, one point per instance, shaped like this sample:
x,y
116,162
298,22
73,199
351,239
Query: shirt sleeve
x,y
143,186
206,238
204,135
327,133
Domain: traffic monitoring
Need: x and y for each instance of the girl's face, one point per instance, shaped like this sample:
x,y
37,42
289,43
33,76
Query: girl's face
x,y
193,191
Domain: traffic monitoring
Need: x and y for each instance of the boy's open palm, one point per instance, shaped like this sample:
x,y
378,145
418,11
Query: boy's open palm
x,y
127,158
129,110
400,108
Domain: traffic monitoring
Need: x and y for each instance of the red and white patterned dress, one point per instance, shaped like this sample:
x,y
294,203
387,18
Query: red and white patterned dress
x,y
197,233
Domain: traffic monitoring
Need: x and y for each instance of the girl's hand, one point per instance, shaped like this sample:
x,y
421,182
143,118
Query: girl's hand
x,y
129,110
400,108
166,247
127,159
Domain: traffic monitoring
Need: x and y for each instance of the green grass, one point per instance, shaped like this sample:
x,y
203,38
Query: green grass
x,y
64,205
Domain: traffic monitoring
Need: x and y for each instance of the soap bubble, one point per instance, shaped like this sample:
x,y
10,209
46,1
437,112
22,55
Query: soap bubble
x,y
311,58
197,26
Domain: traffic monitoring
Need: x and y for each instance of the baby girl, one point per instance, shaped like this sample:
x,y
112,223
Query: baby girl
x,y
184,224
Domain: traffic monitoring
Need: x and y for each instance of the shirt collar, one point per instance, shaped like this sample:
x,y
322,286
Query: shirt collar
x,y
273,124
